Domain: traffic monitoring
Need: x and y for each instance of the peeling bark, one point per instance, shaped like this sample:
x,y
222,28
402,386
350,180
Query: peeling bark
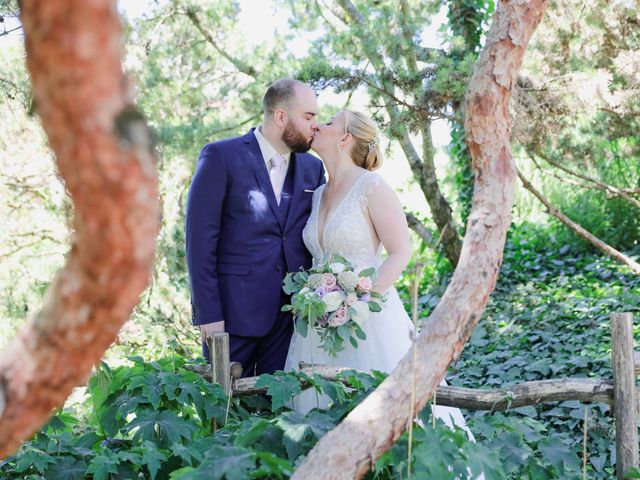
x,y
351,449
105,155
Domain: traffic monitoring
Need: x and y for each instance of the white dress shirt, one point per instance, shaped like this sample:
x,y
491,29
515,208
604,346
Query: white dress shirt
x,y
267,149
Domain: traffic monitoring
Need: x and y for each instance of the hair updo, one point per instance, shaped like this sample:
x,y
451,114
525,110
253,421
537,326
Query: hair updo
x,y
366,149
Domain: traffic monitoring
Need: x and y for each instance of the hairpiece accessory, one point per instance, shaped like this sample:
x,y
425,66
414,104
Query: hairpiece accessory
x,y
373,143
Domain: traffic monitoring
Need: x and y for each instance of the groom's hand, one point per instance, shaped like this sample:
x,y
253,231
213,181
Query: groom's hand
x,y
209,329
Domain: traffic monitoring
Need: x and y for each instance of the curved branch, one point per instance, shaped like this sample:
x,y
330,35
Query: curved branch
x,y
351,449
236,62
418,227
105,155
610,189
579,230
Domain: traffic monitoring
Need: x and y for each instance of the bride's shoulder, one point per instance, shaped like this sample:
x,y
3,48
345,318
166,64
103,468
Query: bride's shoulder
x,y
373,182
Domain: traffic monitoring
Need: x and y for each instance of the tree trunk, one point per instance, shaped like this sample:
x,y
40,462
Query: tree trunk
x,y
351,449
105,155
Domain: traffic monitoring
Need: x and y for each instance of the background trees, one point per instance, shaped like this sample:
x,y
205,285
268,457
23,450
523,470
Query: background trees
x,y
575,113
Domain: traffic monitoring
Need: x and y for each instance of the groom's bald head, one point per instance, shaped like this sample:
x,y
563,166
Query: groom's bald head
x,y
282,94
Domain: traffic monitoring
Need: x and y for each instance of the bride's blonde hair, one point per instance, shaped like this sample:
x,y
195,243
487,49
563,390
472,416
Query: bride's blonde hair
x,y
366,149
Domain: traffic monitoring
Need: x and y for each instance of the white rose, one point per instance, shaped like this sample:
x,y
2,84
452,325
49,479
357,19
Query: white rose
x,y
332,301
360,312
337,267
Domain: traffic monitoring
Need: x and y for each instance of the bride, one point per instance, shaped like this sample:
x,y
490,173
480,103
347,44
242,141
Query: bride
x,y
354,215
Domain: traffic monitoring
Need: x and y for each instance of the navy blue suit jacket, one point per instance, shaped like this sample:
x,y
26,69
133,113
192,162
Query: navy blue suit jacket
x,y
239,243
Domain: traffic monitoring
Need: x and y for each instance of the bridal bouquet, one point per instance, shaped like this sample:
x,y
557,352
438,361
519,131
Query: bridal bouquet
x,y
333,299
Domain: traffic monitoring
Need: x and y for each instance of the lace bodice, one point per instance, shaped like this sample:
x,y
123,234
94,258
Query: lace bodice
x,y
346,232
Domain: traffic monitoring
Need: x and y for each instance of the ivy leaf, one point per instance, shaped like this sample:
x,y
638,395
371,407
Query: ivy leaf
x,y
223,462
272,466
67,468
297,428
35,458
187,454
251,430
558,454
152,388
281,387
481,459
129,456
103,464
336,391
152,458
162,428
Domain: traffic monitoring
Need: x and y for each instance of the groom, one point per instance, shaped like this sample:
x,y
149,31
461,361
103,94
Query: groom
x,y
249,200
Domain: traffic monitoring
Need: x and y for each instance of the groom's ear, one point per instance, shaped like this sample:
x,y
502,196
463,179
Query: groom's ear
x,y
280,117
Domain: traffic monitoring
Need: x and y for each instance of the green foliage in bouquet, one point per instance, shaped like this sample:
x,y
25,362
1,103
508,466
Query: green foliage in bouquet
x,y
333,299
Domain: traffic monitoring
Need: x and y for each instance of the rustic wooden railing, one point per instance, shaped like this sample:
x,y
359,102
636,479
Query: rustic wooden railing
x,y
621,392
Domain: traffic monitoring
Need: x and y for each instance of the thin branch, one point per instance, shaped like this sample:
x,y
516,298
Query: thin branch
x,y
579,230
7,32
239,64
613,190
418,227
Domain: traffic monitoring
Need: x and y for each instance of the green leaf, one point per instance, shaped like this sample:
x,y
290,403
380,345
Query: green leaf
x,y
558,454
152,458
272,466
103,464
33,457
187,454
297,428
359,332
481,459
302,327
152,389
162,428
222,462
281,387
67,468
374,306
367,272
335,390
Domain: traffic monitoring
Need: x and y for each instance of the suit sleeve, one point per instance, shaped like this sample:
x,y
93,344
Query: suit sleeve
x,y
204,217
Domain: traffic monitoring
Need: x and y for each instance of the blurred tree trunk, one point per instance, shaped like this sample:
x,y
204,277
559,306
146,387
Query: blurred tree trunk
x,y
351,449
106,157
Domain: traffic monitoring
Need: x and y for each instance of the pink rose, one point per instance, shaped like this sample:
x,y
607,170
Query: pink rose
x,y
329,281
340,317
351,299
365,284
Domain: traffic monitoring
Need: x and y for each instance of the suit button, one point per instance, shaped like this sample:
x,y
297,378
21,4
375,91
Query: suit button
x,y
284,239
279,268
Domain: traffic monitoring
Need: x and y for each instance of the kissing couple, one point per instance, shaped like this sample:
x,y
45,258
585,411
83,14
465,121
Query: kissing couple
x,y
260,206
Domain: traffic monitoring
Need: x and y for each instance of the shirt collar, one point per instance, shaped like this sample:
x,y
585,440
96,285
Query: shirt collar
x,y
267,149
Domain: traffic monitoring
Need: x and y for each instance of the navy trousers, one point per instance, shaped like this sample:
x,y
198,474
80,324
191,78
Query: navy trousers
x,y
259,355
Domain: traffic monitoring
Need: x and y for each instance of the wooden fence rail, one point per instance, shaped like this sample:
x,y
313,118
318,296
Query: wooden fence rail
x,y
621,392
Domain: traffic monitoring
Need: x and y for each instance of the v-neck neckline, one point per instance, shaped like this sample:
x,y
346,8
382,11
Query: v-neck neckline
x,y
329,216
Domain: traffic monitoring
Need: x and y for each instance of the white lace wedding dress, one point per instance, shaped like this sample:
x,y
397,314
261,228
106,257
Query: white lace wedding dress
x,y
347,233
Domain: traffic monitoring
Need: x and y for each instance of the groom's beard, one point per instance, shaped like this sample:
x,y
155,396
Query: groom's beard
x,y
294,139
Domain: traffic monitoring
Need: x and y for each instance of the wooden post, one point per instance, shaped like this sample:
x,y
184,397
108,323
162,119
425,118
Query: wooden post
x,y
219,355
624,392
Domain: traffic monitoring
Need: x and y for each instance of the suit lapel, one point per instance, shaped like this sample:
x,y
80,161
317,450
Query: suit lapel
x,y
298,183
254,154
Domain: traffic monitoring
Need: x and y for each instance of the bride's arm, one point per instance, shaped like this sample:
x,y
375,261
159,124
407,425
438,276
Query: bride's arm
x,y
390,224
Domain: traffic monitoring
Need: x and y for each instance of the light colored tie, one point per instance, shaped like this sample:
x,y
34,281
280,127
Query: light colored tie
x,y
277,174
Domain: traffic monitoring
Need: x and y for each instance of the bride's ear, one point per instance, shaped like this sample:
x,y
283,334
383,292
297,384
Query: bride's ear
x,y
345,140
